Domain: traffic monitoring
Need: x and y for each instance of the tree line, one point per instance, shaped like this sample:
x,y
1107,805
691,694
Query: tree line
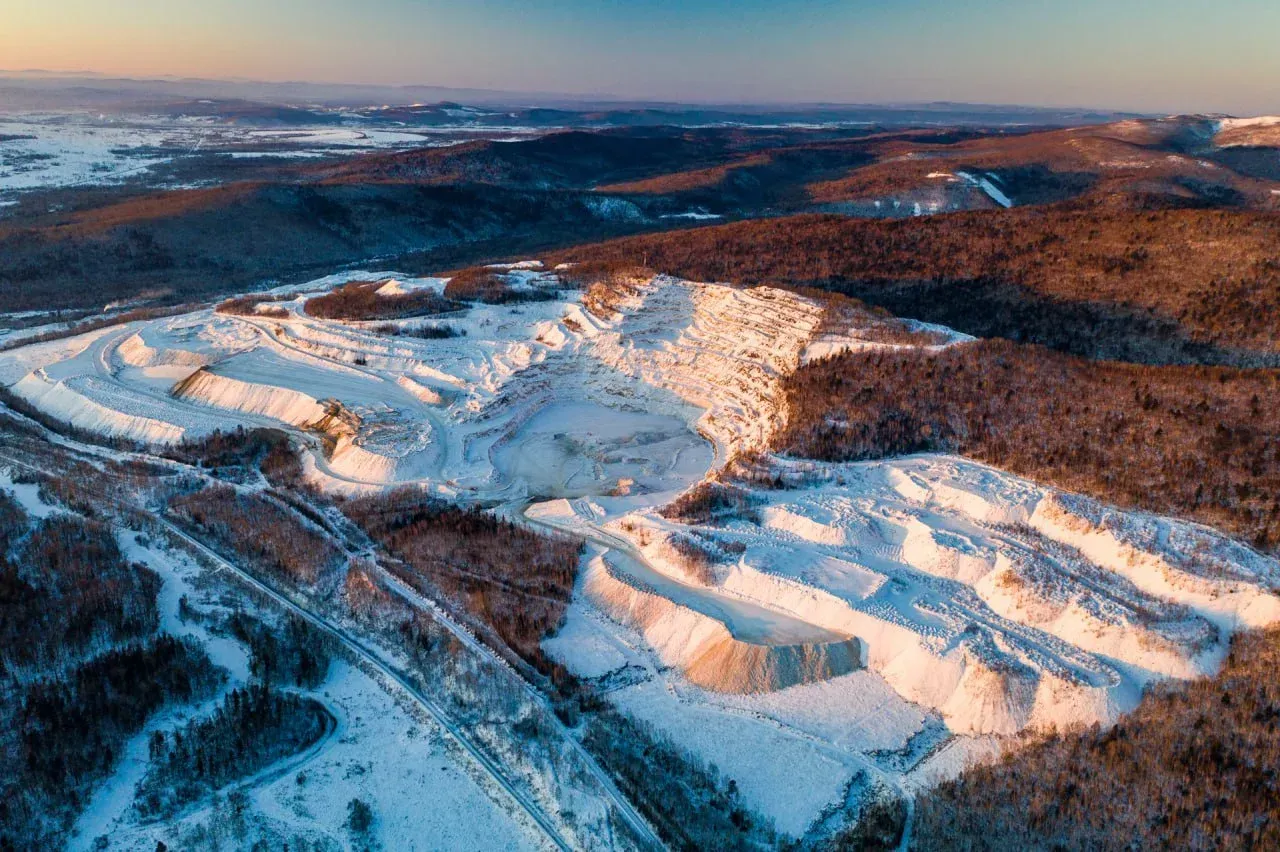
x,y
1093,280
254,727
1198,442
271,537
360,300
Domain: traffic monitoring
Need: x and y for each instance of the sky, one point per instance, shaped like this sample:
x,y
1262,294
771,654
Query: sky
x,y
1145,55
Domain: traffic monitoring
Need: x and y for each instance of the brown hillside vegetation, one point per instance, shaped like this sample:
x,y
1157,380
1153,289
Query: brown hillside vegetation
x,y
771,180
146,208
477,283
1161,286
270,537
1168,162
572,158
584,159
250,306
483,201
1171,161
360,300
711,503
1194,767
510,578
1198,442
686,180
492,286
180,247
1250,135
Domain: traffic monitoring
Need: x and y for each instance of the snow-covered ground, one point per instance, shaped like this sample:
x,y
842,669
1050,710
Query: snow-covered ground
x,y
52,150
984,605
424,795
424,791
108,812
874,622
41,150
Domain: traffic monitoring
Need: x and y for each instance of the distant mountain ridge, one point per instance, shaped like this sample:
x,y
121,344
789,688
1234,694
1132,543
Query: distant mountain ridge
x,y
52,90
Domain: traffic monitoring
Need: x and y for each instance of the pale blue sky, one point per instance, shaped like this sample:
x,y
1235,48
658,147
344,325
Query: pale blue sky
x,y
1159,55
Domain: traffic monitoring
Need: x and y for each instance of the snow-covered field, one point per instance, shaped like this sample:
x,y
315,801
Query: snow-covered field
x,y
871,623
540,399
64,149
984,605
49,150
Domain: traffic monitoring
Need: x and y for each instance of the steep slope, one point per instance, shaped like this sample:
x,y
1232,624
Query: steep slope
x,y
997,602
1189,441
1099,789
706,650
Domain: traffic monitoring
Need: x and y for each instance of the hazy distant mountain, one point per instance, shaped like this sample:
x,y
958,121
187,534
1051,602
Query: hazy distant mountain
x,y
25,90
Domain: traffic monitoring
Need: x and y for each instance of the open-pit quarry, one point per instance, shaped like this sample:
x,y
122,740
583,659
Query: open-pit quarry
x,y
842,626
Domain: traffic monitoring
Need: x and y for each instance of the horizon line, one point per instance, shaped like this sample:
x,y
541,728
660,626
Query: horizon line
x,y
599,98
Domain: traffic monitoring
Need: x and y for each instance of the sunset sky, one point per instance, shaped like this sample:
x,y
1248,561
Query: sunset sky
x,y
1157,55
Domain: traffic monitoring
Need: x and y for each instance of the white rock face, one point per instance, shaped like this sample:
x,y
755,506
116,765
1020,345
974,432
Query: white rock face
x,y
721,349
290,407
706,650
88,403
996,602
